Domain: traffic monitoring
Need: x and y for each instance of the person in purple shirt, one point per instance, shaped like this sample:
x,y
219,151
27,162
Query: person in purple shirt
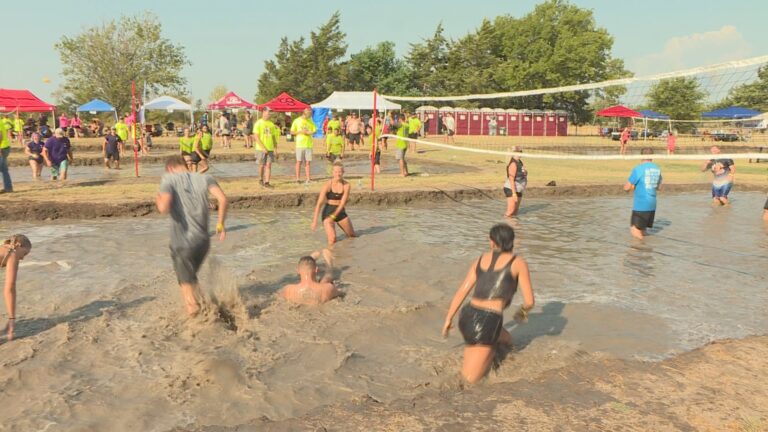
x,y
58,154
34,151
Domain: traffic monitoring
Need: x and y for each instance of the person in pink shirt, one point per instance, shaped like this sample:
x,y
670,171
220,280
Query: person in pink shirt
x,y
76,125
671,143
623,139
63,122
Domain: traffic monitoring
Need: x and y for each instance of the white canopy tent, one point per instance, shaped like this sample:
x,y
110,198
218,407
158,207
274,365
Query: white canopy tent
x,y
170,104
356,101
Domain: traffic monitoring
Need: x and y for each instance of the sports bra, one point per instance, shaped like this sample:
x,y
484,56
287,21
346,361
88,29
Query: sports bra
x,y
493,284
331,195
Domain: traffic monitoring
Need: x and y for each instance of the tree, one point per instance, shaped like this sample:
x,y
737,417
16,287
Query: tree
x,y
752,95
217,93
379,67
428,63
310,72
102,61
679,98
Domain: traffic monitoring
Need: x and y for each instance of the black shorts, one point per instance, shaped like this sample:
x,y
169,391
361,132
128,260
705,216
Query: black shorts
x,y
642,219
354,138
377,158
414,135
207,153
38,158
193,157
478,326
334,157
766,204
329,209
451,133
508,193
112,155
187,261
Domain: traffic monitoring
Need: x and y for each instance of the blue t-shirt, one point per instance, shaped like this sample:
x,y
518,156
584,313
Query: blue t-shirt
x,y
646,177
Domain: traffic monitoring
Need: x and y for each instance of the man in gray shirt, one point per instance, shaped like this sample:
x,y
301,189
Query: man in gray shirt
x,y
185,196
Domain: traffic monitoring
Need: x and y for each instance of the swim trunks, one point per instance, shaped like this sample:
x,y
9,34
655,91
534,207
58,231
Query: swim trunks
x,y
479,326
642,219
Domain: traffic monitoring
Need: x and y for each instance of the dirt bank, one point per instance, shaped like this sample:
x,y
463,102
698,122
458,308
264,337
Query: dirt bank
x,y
717,387
50,210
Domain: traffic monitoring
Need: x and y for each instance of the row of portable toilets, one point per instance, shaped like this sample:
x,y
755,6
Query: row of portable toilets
x,y
508,121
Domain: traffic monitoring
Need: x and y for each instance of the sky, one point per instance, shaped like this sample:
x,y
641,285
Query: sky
x,y
227,43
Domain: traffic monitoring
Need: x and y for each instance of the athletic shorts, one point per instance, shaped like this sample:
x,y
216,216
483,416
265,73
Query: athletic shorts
x,y
263,157
61,169
508,193
303,154
479,326
642,219
193,157
206,153
37,158
354,138
115,156
766,205
226,132
414,135
721,191
377,158
187,261
334,157
451,133
400,154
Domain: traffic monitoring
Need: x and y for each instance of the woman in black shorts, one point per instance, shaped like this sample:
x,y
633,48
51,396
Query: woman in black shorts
x,y
514,185
494,276
34,151
333,199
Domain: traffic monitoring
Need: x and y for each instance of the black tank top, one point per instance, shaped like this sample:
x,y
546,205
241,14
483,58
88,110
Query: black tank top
x,y
331,195
493,284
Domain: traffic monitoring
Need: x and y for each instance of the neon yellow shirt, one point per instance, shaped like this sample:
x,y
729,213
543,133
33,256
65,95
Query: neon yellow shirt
x,y
268,134
414,124
335,144
402,131
206,141
186,144
304,129
18,125
379,131
334,124
4,141
122,130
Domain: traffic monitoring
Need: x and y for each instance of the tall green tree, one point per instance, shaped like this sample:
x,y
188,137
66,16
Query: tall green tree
x,y
309,72
680,98
102,61
752,95
428,63
217,93
379,67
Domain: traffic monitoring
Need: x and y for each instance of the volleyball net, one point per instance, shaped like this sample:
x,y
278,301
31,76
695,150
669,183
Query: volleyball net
x,y
700,107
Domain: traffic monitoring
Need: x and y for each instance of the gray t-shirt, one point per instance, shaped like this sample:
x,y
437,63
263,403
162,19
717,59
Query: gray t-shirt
x,y
189,208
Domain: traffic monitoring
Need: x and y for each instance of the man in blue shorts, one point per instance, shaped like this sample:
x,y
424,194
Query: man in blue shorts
x,y
724,171
645,181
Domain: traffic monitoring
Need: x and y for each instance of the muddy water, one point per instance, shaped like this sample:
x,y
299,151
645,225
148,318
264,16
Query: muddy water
x,y
102,344
282,168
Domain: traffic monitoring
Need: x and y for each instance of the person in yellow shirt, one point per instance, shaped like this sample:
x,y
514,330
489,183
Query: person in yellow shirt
x,y
334,123
302,129
122,130
414,126
266,134
334,144
5,150
18,129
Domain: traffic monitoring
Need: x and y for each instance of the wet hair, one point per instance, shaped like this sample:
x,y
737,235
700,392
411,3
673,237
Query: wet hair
x,y
175,161
504,237
307,262
339,164
18,240
646,151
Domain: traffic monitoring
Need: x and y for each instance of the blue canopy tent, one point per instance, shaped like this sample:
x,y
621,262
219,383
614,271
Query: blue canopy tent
x,y
651,114
734,112
97,105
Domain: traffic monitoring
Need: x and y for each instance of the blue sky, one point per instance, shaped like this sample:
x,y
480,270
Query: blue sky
x,y
227,42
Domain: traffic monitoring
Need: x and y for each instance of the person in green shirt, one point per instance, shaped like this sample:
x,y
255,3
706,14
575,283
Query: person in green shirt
x,y
203,146
187,147
401,125
333,123
376,146
334,143
5,150
266,134
18,128
414,126
302,129
122,130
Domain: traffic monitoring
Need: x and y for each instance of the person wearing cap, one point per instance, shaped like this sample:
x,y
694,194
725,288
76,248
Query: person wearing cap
x,y
302,129
266,133
112,148
57,153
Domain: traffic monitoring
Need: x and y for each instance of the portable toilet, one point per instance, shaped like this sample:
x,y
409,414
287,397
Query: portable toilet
x,y
475,122
501,121
562,123
514,122
526,123
428,116
462,120
538,122
550,123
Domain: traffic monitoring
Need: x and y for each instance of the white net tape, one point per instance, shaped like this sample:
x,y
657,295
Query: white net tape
x,y
556,156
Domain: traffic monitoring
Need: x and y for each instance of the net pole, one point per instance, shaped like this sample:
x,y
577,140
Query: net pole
x,y
133,126
373,140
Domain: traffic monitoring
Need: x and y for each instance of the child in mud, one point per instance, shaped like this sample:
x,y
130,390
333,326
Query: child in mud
x,y
13,250
185,196
495,277
309,291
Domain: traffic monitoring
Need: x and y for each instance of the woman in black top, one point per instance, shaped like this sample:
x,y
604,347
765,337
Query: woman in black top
x,y
333,199
34,151
495,276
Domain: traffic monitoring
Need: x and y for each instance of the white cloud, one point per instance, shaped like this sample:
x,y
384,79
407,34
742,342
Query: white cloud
x,y
698,49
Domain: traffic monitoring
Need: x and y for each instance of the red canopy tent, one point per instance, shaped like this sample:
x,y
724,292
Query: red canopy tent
x,y
231,100
619,111
285,103
22,101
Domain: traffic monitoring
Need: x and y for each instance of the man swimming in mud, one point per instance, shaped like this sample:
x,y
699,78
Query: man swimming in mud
x,y
185,196
309,291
